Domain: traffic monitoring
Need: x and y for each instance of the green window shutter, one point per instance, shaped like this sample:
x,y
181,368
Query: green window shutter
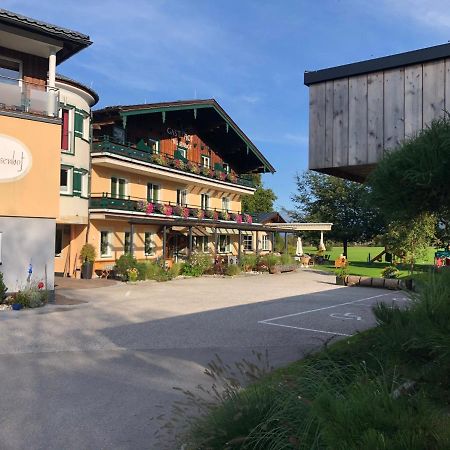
x,y
77,182
121,188
113,187
218,166
78,126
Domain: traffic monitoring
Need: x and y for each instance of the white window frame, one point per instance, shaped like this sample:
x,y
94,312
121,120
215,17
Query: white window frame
x,y
204,201
247,242
227,247
85,185
152,243
226,203
116,194
182,197
108,244
226,167
158,190
86,128
155,141
183,151
69,189
265,242
125,233
70,129
206,161
200,243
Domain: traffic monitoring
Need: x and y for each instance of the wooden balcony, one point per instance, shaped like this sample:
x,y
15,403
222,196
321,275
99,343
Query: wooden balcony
x,y
175,163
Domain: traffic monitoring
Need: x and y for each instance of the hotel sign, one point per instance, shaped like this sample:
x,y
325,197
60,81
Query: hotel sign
x,y
15,159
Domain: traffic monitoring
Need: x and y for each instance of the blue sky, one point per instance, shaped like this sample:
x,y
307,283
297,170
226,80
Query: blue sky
x,y
250,55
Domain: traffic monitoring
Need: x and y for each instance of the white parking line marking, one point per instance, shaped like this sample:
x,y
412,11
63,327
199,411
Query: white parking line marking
x,y
345,316
324,308
305,329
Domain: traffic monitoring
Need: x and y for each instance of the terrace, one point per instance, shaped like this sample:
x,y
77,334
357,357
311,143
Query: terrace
x,y
140,206
142,153
21,97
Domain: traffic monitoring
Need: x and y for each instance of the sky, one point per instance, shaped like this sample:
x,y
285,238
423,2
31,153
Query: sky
x,y
250,55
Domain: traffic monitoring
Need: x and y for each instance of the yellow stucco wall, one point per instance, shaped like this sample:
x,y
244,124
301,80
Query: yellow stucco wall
x,y
137,188
37,193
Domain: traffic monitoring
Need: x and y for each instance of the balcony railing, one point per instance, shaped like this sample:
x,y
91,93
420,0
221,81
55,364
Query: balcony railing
x,y
165,160
105,200
24,97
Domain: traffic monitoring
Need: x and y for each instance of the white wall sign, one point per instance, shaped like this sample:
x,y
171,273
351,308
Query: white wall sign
x,y
15,159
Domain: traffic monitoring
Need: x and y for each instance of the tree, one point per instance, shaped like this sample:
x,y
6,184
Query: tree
x,y
324,198
261,201
411,239
415,178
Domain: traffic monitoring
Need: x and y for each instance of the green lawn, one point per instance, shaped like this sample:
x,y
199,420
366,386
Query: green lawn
x,y
358,257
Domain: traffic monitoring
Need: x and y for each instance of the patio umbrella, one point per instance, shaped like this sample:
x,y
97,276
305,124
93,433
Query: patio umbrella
x,y
299,250
321,244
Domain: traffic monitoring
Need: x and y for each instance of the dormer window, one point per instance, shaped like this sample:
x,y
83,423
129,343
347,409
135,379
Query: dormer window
x,y
226,167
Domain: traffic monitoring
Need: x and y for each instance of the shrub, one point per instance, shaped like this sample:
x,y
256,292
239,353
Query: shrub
x,y
286,259
197,265
224,215
31,297
152,270
3,288
124,263
269,261
248,262
232,270
132,274
175,270
88,253
390,272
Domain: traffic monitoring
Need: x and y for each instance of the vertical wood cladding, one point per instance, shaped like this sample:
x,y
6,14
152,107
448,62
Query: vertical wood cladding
x,y
34,68
354,120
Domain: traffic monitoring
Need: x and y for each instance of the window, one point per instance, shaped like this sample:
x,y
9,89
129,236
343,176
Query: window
x,y
105,243
153,192
10,71
225,203
65,145
206,161
127,242
80,183
79,124
65,180
149,247
224,243
204,201
265,242
248,242
200,243
118,187
226,168
182,151
154,145
182,197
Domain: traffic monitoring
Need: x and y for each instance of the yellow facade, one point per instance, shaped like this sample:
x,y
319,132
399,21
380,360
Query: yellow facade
x,y
37,193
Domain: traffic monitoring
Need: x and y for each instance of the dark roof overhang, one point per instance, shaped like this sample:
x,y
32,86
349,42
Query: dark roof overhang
x,y
378,64
72,41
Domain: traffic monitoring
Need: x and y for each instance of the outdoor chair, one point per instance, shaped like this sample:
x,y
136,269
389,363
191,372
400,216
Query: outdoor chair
x,y
107,271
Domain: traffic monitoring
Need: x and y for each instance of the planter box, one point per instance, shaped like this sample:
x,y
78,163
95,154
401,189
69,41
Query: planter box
x,y
341,281
279,268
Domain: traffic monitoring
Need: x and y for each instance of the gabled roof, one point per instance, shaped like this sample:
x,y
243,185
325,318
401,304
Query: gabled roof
x,y
73,40
180,105
266,217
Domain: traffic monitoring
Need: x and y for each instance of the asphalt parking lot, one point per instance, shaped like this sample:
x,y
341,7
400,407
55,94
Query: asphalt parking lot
x,y
92,373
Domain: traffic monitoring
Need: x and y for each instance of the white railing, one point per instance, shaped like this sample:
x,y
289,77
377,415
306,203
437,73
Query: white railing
x,y
22,96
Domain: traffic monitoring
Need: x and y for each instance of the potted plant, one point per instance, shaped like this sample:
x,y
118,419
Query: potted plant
x,y
341,276
87,256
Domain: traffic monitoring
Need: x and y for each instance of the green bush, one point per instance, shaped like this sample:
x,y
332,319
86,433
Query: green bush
x,y
248,262
88,253
3,288
124,263
142,271
232,270
270,261
31,297
197,265
175,270
390,272
286,259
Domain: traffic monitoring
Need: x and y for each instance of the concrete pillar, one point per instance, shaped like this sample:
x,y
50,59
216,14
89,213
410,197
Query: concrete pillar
x,y
52,68
52,106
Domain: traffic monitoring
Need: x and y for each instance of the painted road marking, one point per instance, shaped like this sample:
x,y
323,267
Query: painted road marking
x,y
346,316
270,321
